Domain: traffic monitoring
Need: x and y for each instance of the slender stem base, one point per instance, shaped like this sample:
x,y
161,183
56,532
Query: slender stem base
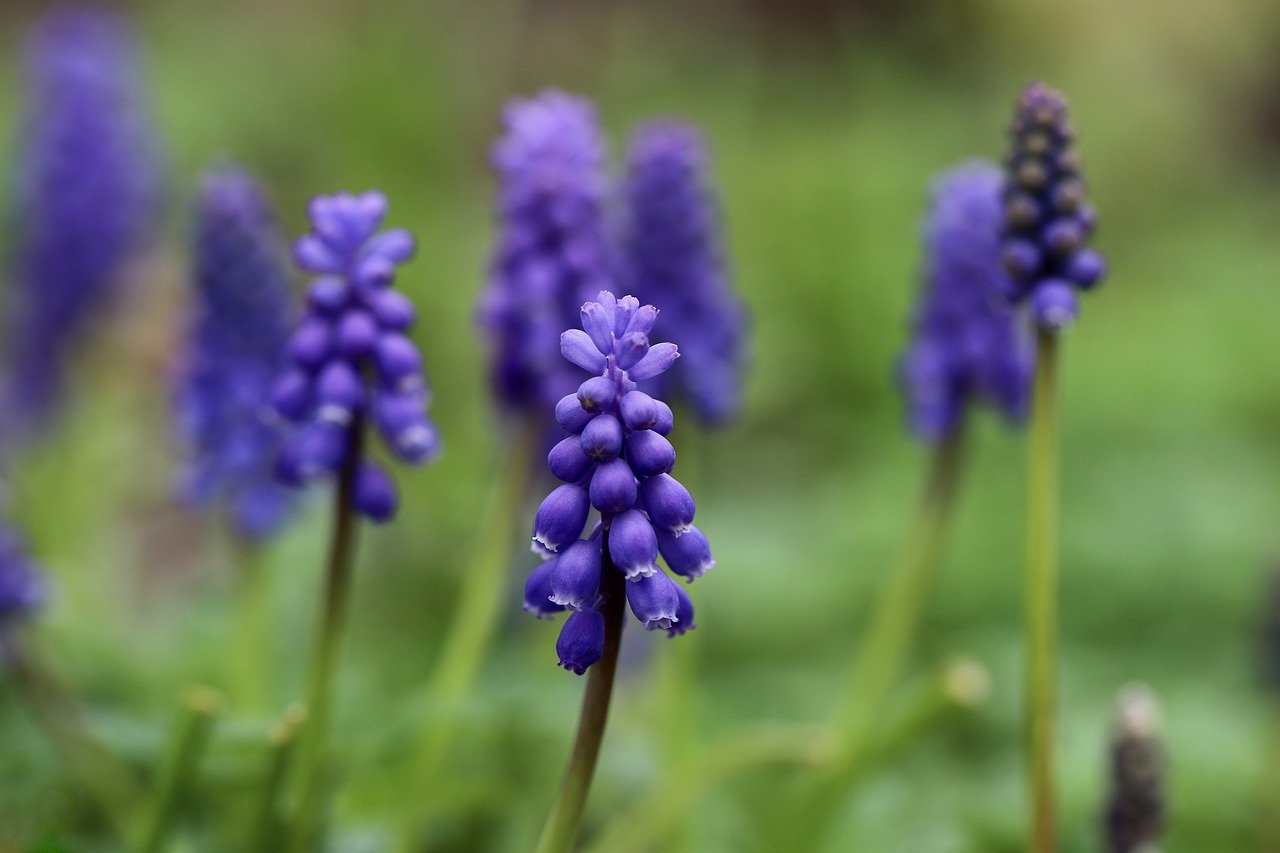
x,y
312,748
883,651
562,824
190,739
266,823
479,605
1042,594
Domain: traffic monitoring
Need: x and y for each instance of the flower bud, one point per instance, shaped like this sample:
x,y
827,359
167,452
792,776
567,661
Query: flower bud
x,y
613,487
602,437
654,600
560,518
581,640
649,453
668,503
575,578
633,546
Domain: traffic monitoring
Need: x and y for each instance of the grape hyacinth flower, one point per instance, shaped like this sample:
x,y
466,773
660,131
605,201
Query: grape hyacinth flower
x,y
22,583
552,252
674,258
967,343
86,190
351,361
1048,220
235,353
616,460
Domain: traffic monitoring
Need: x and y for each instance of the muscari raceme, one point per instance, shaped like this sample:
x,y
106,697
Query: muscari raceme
x,y
552,251
673,257
85,189
616,460
235,352
968,343
1048,220
351,360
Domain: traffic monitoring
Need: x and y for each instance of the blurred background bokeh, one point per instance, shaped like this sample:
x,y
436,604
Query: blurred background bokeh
x,y
827,120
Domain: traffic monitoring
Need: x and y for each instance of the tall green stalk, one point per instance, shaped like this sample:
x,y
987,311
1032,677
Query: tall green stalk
x,y
312,749
251,648
1042,594
562,824
883,651
189,742
283,742
479,605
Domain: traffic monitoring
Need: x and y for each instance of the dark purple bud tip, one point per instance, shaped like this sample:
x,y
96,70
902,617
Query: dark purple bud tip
x,y
684,614
570,415
1063,236
309,345
398,360
374,494
581,641
392,309
575,576
596,393
688,555
632,349
291,395
560,518
655,600
597,322
649,453
357,333
1085,268
602,437
668,503
1021,258
633,545
568,461
577,348
656,361
613,487
666,419
537,592
339,391
1054,304
639,410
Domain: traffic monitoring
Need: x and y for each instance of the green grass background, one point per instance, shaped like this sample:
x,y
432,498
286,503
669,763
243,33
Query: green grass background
x,y
825,135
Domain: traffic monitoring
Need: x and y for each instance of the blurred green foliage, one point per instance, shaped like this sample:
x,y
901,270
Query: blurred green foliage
x,y
827,124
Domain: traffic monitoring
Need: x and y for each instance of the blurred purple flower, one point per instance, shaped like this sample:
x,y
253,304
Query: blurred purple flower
x,y
235,351
552,250
674,258
1047,219
352,362
967,342
86,192
23,588
616,461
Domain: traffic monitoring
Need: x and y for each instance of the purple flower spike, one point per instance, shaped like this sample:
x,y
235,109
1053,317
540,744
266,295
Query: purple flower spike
x,y
1047,220
85,195
23,588
674,258
352,362
655,600
615,459
234,350
967,342
581,641
552,249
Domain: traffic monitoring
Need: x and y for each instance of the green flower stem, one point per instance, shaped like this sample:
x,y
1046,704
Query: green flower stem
x,y
479,606
251,648
283,741
110,782
884,649
562,824
190,739
1042,594
652,819
313,759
